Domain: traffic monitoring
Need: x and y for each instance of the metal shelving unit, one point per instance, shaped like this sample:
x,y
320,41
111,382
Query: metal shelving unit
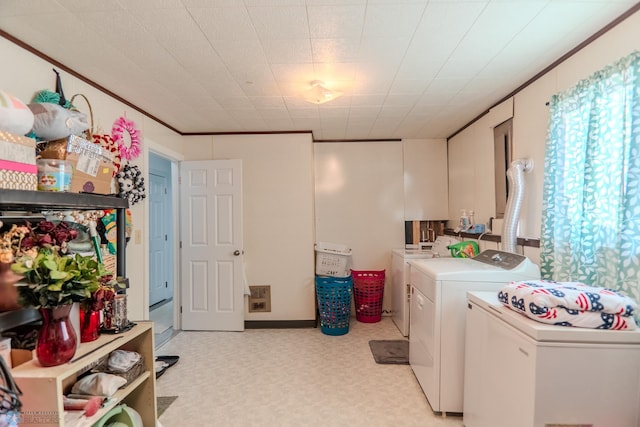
x,y
38,201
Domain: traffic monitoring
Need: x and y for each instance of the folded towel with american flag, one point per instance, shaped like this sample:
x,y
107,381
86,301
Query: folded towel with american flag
x,y
570,304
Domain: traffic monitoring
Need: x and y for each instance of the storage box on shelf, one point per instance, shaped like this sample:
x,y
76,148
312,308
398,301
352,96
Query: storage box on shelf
x,y
43,388
92,165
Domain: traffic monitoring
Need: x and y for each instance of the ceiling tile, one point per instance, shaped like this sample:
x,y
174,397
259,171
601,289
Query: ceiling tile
x,y
385,50
147,4
280,22
300,112
279,124
235,103
182,26
401,100
334,113
334,2
363,112
302,73
193,54
20,7
208,3
267,102
273,113
496,26
287,51
335,74
336,21
335,50
228,23
274,2
389,20
409,86
408,68
435,38
394,111
378,74
92,5
261,89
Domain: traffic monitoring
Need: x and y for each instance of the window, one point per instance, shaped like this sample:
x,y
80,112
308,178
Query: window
x,y
502,152
591,202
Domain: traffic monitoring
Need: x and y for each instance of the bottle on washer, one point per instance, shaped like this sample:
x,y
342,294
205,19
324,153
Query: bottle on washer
x,y
464,220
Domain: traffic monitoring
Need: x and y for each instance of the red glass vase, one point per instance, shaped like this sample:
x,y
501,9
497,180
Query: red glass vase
x,y
89,325
56,339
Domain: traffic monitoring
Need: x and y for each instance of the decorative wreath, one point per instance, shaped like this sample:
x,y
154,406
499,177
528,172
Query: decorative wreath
x,y
131,184
120,126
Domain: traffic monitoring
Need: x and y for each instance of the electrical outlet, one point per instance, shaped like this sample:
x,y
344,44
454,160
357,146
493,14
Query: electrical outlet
x,y
137,237
260,299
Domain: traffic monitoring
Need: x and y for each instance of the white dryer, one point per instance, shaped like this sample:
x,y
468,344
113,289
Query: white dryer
x,y
400,275
522,372
437,317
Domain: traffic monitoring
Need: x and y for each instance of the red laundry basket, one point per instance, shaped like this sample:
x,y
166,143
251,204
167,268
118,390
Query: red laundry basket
x,y
368,290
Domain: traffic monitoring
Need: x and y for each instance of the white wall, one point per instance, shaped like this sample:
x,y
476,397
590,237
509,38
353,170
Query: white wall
x,y
359,201
25,76
278,218
530,121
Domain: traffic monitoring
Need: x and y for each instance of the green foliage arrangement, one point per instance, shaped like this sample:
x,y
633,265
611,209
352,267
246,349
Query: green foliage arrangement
x,y
51,280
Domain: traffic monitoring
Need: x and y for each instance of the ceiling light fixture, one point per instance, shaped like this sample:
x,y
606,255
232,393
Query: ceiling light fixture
x,y
319,93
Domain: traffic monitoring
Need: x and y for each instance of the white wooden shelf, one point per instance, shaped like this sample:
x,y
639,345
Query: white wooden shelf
x,y
43,388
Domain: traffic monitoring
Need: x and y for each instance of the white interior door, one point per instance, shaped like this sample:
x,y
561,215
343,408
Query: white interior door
x,y
212,255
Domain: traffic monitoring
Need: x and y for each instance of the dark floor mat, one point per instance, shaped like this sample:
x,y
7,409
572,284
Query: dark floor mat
x,y
390,352
166,363
164,402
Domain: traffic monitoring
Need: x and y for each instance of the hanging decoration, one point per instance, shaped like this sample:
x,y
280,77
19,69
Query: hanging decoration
x,y
120,126
109,227
131,184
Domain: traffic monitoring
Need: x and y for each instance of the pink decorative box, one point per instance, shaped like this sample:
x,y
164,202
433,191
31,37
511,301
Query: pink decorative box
x,y
18,170
18,176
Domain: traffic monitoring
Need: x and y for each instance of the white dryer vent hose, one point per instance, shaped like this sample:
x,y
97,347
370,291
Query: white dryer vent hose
x,y
515,177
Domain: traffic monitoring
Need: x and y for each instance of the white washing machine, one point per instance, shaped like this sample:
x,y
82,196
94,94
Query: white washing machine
x,y
437,317
400,285
522,372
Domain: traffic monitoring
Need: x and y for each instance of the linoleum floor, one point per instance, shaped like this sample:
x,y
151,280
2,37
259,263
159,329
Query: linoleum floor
x,y
291,377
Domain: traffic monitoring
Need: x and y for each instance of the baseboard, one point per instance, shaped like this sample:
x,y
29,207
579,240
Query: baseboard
x,y
279,324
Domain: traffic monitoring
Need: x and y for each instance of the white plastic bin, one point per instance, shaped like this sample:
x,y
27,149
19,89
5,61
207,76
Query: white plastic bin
x,y
333,260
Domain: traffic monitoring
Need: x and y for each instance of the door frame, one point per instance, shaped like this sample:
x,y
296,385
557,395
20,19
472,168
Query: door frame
x,y
167,225
175,159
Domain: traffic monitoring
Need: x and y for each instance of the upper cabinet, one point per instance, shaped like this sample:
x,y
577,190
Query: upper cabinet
x,y
425,179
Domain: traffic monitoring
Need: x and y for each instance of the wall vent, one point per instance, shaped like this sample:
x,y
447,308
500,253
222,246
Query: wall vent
x,y
260,299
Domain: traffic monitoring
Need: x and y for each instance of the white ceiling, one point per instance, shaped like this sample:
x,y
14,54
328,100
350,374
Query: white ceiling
x,y
408,68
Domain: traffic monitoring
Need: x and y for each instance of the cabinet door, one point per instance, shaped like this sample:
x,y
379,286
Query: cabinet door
x,y
425,179
499,374
400,297
475,375
424,351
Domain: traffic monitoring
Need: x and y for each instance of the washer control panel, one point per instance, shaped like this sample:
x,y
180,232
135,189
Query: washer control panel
x,y
504,260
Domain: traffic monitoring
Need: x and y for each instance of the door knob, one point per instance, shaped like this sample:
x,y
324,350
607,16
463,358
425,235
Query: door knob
x,y
236,252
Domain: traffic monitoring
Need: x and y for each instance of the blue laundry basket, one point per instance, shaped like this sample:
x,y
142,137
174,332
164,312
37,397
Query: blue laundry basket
x,y
334,304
